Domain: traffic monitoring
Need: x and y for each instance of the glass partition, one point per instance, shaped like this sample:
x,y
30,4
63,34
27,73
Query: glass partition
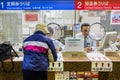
x,y
15,26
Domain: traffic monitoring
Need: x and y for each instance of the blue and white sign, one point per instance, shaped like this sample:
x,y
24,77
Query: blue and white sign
x,y
37,5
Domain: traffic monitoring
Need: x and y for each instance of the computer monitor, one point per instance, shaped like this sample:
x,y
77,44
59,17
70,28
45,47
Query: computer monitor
x,y
109,36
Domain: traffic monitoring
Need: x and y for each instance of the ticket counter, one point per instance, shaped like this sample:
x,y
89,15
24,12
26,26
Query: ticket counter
x,y
70,64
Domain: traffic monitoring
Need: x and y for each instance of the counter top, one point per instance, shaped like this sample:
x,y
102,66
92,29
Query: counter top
x,y
113,56
71,63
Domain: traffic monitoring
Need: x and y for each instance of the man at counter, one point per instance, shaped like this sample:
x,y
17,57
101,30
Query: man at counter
x,y
58,45
89,44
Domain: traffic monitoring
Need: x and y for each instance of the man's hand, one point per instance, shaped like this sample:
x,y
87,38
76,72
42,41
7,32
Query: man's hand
x,y
88,49
57,50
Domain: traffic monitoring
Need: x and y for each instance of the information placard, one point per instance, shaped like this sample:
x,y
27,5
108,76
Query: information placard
x,y
72,44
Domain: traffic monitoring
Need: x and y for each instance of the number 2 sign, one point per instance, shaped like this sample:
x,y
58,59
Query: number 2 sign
x,y
79,4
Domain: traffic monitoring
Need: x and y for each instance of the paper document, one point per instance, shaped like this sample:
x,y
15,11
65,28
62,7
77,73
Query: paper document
x,y
97,56
18,58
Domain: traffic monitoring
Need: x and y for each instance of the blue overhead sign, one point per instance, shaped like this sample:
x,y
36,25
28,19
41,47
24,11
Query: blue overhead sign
x,y
37,5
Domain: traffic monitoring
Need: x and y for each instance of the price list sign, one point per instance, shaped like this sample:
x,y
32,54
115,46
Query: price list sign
x,y
55,66
102,66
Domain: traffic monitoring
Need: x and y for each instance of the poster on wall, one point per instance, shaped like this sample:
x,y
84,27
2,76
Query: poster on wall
x,y
31,17
115,17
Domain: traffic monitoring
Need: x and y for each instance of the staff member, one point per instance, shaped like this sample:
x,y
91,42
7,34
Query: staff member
x,y
89,44
35,62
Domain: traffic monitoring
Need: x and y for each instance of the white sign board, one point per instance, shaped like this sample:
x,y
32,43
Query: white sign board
x,y
55,66
72,44
101,66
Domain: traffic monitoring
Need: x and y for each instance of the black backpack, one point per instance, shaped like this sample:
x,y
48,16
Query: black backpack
x,y
6,53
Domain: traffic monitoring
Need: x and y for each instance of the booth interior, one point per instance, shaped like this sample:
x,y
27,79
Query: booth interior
x,y
74,63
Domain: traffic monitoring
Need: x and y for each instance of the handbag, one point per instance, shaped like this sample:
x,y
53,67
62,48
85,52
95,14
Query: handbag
x,y
6,53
